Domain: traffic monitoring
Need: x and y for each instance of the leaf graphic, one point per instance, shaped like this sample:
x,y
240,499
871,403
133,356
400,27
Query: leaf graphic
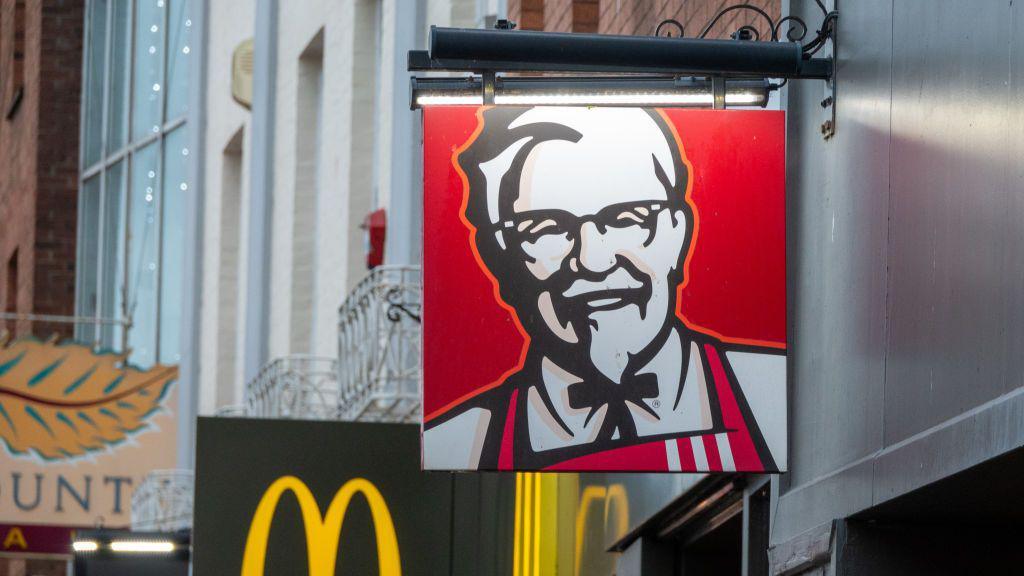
x,y
62,400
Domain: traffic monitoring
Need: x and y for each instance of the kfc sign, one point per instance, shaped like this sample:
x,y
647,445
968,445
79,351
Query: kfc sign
x,y
604,289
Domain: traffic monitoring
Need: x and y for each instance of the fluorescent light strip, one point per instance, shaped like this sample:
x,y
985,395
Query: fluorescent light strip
x,y
445,100
638,99
141,546
598,99
84,546
741,98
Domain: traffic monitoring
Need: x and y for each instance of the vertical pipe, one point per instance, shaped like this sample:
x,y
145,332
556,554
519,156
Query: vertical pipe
x,y
192,281
261,187
101,256
402,238
129,160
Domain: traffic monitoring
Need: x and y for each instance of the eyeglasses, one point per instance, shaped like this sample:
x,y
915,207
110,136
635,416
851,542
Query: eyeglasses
x,y
537,225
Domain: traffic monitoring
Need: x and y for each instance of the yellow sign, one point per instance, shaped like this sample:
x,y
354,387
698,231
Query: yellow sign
x,y
322,533
560,528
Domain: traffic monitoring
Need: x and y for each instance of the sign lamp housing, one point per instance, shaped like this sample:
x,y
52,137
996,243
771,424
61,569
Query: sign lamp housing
x,y
631,70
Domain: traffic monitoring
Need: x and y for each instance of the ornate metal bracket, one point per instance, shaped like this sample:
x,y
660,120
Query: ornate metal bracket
x,y
397,306
797,32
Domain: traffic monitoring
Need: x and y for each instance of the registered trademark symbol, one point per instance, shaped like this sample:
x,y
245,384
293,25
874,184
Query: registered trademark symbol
x,y
656,404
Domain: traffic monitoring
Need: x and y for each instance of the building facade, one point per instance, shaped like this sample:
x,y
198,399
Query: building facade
x,y
241,160
95,180
40,87
328,150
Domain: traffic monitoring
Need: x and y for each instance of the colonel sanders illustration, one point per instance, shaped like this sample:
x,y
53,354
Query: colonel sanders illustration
x,y
582,218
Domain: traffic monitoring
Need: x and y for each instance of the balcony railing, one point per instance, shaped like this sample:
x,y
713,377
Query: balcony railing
x,y
163,501
231,411
296,387
379,347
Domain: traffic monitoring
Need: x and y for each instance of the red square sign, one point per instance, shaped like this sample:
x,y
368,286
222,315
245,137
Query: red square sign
x,y
604,289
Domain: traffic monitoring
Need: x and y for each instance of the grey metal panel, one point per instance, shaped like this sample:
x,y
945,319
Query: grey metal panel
x,y
837,226
1014,258
917,312
960,443
845,492
955,255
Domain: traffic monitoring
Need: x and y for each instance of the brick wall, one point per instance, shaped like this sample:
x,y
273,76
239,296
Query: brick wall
x,y
39,159
33,567
637,17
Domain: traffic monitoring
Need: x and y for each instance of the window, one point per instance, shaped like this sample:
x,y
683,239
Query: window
x,y
17,79
135,176
11,297
227,297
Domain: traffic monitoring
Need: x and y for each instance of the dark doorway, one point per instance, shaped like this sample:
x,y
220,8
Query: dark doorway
x,y
717,552
967,523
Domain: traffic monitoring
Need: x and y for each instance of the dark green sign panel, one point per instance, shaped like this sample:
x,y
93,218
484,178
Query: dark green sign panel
x,y
323,498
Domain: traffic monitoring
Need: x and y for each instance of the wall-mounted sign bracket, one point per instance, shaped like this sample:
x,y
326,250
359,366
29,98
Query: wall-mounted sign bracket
x,y
718,92
663,57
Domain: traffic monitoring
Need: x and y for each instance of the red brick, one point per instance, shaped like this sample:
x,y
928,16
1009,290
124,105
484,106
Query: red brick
x,y
585,16
38,185
638,17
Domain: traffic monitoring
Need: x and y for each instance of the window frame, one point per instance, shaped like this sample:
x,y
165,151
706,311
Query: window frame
x,y
92,332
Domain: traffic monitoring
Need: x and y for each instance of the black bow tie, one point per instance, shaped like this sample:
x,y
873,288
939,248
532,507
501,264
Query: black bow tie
x,y
600,391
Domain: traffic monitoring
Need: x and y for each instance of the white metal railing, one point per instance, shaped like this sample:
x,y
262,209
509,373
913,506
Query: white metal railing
x,y
231,411
162,502
379,347
299,387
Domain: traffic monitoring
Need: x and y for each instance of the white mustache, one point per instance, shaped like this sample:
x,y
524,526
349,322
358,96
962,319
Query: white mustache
x,y
617,280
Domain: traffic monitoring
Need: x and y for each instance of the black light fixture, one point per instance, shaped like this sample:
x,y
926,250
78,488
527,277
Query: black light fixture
x,y
461,49
608,70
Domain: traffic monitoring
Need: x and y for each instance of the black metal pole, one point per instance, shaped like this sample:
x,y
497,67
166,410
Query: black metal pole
x,y
507,50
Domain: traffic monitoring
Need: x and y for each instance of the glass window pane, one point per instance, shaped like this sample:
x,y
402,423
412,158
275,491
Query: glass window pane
x,y
175,190
88,255
179,46
113,256
95,81
120,46
142,256
149,55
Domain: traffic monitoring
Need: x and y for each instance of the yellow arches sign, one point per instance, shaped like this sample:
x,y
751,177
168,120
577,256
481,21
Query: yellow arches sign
x,y
322,533
561,527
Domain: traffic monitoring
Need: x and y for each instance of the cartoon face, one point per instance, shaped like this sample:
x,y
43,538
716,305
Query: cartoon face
x,y
591,231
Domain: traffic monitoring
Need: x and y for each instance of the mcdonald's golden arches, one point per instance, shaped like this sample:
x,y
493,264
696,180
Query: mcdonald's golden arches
x,y
322,533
